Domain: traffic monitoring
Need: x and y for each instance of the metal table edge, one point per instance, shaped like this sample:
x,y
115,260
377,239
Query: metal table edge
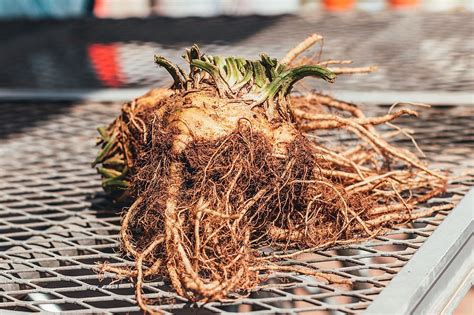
x,y
439,274
126,94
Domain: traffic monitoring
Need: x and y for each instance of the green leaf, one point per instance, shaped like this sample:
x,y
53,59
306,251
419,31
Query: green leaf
x,y
113,184
105,151
233,73
287,79
104,133
214,72
270,65
108,173
246,69
115,161
259,74
176,72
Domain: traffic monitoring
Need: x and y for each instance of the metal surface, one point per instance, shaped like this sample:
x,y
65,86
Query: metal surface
x,y
422,52
55,223
125,94
440,271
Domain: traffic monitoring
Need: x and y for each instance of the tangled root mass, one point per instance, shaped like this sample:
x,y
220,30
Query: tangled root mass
x,y
204,201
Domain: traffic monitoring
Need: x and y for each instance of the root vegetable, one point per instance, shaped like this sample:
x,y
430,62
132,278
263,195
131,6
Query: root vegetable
x,y
219,165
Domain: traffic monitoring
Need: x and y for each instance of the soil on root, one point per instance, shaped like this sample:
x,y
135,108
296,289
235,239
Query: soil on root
x,y
201,215
227,162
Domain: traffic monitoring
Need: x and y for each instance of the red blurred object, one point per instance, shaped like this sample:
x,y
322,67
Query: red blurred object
x,y
105,62
99,8
400,4
338,5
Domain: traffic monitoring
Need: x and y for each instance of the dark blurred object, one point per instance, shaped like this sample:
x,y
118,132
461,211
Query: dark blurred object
x,y
10,9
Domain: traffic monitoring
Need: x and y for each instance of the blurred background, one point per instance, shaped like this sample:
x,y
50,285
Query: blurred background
x,y
103,49
206,8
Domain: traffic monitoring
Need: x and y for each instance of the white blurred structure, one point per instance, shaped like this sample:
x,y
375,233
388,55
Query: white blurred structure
x,y
447,5
208,8
370,5
440,5
181,8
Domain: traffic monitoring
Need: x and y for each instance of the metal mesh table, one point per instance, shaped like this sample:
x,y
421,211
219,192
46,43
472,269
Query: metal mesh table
x,y
55,223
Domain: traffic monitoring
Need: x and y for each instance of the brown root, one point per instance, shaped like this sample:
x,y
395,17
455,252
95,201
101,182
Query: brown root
x,y
304,45
347,70
326,277
203,209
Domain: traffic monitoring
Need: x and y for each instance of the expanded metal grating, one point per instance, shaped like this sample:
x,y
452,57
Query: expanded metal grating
x,y
55,223
414,51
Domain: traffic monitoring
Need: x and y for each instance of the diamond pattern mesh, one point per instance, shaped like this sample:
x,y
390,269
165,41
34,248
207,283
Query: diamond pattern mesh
x,y
55,223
